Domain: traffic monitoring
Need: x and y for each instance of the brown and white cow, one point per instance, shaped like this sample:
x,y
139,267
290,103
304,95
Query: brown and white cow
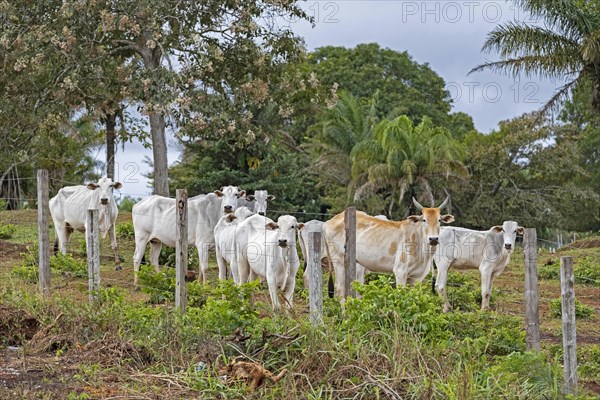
x,y
403,247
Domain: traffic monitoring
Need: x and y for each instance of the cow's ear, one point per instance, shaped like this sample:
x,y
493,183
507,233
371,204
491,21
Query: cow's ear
x,y
230,217
271,226
497,228
92,186
415,218
447,218
520,230
117,185
241,194
271,197
250,197
218,193
300,226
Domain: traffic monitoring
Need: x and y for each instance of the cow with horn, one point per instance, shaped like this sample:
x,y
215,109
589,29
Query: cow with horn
x,y
405,248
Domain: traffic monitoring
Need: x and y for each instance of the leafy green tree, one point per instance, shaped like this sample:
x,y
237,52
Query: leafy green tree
x,y
579,112
207,165
529,171
401,85
189,63
404,159
567,46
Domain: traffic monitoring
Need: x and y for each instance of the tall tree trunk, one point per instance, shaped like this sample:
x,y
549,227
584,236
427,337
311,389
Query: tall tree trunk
x,y
152,59
159,151
111,122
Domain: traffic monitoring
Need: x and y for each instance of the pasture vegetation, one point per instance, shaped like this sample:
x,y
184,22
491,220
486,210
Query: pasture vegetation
x,y
390,343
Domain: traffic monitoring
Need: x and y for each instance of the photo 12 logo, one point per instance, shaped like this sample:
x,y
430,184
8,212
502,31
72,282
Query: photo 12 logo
x,y
131,172
319,12
462,11
492,92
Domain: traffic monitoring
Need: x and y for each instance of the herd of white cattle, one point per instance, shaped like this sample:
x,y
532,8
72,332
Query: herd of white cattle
x,y
252,246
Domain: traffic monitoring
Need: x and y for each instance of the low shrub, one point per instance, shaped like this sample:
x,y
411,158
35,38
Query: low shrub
x,y
416,310
28,269
125,230
551,271
585,271
65,263
159,285
524,376
7,231
167,257
463,292
581,310
589,362
26,272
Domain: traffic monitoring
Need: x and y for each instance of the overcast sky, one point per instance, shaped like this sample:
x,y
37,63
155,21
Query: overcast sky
x,y
447,35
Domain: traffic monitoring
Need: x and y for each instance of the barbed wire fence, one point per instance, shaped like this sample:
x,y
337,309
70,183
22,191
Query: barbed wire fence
x,y
127,281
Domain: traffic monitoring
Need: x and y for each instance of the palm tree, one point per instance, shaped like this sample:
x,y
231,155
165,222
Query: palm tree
x,y
568,45
406,158
338,132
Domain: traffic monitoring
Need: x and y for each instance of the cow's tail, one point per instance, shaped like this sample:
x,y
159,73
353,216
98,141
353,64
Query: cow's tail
x,y
56,245
433,268
330,286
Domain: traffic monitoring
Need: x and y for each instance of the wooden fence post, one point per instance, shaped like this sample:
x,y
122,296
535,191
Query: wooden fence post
x,y
92,240
567,291
350,250
532,315
181,248
43,232
315,278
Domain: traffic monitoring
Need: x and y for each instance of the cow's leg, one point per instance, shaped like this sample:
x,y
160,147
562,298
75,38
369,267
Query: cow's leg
x,y
155,247
202,261
486,286
63,238
336,258
442,278
360,276
140,248
401,273
68,232
115,248
272,284
222,264
290,285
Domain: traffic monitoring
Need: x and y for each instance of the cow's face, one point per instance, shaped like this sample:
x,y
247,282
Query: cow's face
x,y
261,197
229,196
286,228
430,221
104,188
509,231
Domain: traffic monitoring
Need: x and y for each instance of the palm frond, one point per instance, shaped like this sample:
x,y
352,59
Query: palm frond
x,y
551,66
519,39
564,15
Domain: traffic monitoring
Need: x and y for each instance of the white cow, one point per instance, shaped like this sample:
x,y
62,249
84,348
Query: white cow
x,y
268,250
225,235
154,222
403,247
257,202
69,212
489,251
